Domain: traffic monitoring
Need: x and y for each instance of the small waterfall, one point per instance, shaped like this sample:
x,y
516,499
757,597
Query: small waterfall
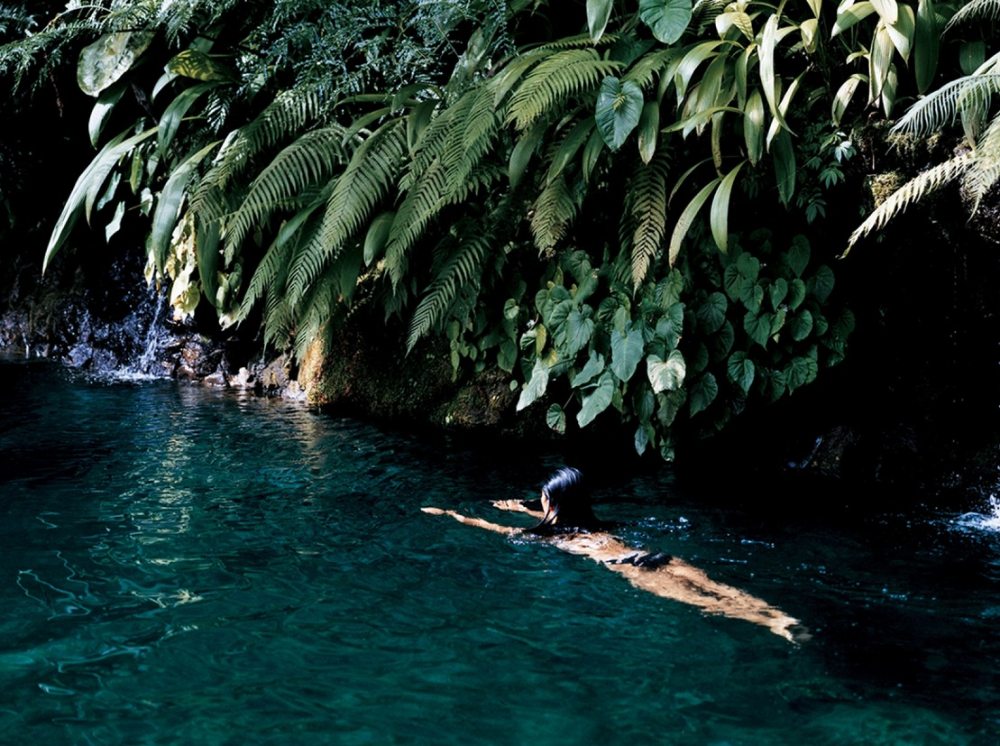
x,y
143,337
154,334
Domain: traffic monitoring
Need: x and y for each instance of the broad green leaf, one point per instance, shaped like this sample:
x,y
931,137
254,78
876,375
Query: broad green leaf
x,y
734,18
808,29
102,110
690,63
783,106
569,147
768,77
534,388
641,439
593,368
971,55
851,15
784,166
105,61
598,13
702,393
926,42
597,400
842,98
778,322
520,155
591,153
758,327
168,205
671,325
801,325
712,313
798,255
644,404
878,61
753,126
741,371
172,116
555,418
670,404
901,32
748,266
378,236
820,324
579,328
649,130
718,216
626,352
667,19
797,293
822,283
619,107
87,186
800,371
507,356
669,289
115,224
752,296
686,219
889,90
887,10
666,375
777,292
199,66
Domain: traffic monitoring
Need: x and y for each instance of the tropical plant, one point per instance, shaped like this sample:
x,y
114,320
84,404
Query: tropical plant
x,y
518,180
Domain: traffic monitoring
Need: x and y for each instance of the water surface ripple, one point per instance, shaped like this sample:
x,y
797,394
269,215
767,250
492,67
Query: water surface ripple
x,y
182,566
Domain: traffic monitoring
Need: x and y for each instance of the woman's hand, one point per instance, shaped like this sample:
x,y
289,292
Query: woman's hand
x,y
437,511
513,505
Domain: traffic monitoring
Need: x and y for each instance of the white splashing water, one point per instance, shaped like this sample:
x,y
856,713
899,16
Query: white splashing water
x,y
989,520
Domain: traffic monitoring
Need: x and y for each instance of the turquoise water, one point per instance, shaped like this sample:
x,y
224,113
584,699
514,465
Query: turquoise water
x,y
183,566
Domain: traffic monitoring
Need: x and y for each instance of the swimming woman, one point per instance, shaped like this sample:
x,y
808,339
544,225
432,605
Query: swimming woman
x,y
567,521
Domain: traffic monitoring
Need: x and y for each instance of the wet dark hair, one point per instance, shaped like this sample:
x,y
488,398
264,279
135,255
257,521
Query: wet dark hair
x,y
569,504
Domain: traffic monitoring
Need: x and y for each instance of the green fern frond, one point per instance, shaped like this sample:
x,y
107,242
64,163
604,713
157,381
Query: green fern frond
x,y
463,268
428,147
580,41
649,67
984,168
272,272
552,214
288,114
318,309
912,191
554,81
976,10
448,177
366,181
422,202
705,12
309,160
646,213
482,177
968,93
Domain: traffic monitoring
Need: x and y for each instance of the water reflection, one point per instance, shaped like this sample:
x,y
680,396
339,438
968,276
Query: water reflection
x,y
185,566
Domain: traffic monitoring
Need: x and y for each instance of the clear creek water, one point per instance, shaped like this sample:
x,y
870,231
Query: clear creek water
x,y
182,566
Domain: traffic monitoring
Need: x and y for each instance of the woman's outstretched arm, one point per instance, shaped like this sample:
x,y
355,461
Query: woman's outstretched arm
x,y
468,521
517,506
